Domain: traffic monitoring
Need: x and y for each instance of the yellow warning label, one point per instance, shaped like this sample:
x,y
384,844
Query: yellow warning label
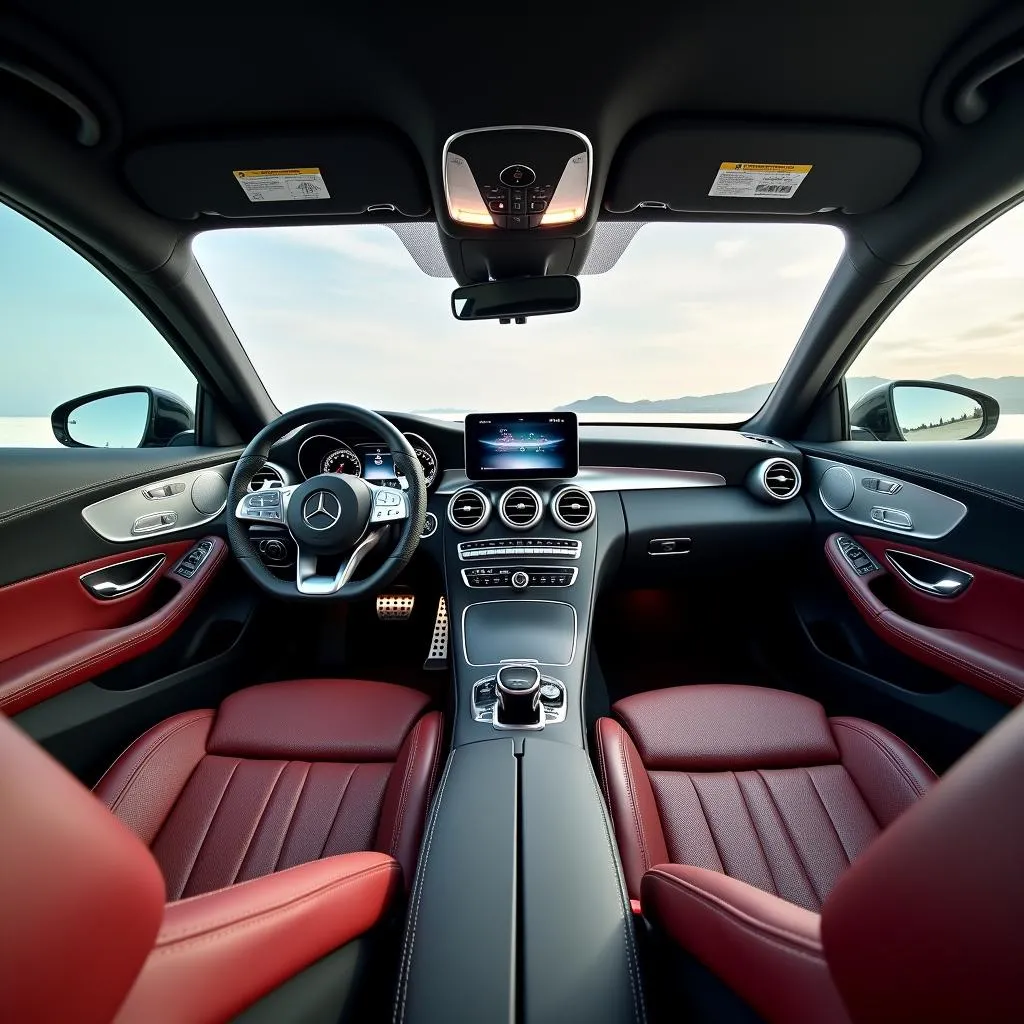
x,y
768,168
742,180
282,184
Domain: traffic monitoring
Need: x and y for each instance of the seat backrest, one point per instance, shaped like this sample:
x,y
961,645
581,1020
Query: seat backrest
x,y
926,925
82,898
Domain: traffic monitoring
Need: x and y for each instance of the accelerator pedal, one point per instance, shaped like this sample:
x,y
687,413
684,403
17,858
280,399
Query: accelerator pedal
x,y
395,607
437,656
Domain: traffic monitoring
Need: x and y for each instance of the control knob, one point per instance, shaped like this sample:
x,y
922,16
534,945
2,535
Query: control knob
x,y
520,580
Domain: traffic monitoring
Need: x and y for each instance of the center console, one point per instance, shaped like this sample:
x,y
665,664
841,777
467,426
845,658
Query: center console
x,y
519,837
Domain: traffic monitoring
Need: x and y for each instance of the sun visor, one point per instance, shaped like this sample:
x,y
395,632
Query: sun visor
x,y
346,172
696,167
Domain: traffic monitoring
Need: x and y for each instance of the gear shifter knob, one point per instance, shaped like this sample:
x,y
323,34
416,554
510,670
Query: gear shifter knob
x,y
519,695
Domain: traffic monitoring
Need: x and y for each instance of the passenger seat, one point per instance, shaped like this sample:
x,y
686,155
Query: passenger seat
x,y
754,783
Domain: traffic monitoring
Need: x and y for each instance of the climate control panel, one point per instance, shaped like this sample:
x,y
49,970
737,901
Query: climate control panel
x,y
519,577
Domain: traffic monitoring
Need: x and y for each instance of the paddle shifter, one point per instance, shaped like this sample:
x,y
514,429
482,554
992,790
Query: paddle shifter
x,y
518,688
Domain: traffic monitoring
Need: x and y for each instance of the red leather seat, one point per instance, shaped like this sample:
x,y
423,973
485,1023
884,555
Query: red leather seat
x,y
284,778
754,783
281,774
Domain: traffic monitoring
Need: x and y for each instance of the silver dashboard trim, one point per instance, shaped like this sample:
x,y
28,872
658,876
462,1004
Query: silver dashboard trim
x,y
608,478
523,600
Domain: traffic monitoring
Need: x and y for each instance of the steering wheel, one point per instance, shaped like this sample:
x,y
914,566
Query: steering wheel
x,y
335,521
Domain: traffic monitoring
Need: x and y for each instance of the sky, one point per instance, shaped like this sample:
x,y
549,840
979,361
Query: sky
x,y
343,314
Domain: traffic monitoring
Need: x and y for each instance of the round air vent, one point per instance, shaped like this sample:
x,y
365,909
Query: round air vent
x,y
775,480
573,508
269,476
469,509
520,508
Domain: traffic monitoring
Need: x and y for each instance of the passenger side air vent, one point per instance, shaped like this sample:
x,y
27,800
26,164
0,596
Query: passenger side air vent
x,y
520,508
573,508
761,439
469,509
775,480
268,477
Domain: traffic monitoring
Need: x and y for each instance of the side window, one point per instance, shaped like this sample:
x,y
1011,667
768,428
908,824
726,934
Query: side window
x,y
948,362
79,364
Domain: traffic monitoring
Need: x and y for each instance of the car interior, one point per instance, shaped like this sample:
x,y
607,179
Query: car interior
x,y
305,315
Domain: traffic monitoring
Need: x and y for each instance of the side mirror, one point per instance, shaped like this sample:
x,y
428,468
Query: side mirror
x,y
517,298
132,417
916,410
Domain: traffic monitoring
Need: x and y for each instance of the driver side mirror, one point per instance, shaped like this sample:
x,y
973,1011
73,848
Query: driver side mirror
x,y
915,410
131,417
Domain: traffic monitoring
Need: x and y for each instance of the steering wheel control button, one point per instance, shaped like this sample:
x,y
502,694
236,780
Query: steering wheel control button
x,y
387,497
517,175
520,580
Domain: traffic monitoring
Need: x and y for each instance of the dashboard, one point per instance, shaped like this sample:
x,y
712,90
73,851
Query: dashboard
x,y
350,454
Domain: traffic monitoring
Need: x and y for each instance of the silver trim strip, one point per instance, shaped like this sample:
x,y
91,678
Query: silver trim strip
x,y
611,478
310,584
501,549
525,600
107,589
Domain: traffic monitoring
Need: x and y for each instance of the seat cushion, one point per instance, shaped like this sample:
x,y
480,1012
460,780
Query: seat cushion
x,y
282,774
755,783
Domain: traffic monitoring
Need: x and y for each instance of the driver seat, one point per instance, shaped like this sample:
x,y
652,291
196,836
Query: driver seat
x,y
280,775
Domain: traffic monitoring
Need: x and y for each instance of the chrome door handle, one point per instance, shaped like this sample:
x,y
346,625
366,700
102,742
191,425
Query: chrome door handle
x,y
929,576
122,577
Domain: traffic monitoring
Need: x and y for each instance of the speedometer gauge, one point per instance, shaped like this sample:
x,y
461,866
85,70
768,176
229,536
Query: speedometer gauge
x,y
342,460
426,456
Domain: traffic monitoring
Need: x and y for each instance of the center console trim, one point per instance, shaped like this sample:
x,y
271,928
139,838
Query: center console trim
x,y
609,478
531,600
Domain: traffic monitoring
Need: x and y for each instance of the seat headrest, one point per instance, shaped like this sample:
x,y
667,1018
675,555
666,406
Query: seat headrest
x,y
82,898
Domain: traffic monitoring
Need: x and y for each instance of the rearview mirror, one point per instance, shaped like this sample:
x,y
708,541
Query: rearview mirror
x,y
914,410
132,417
516,299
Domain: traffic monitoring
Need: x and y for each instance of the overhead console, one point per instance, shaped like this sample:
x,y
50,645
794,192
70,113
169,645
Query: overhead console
x,y
516,178
695,166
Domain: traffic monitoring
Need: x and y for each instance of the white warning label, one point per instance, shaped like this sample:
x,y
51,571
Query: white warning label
x,y
759,181
279,185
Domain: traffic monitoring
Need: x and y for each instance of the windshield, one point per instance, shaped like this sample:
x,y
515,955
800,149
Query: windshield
x,y
694,323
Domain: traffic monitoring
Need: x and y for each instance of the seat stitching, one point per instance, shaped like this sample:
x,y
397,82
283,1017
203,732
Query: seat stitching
x,y
396,828
604,767
792,842
256,916
337,810
291,816
405,969
707,820
828,814
256,824
760,841
641,838
776,937
209,826
149,754
889,753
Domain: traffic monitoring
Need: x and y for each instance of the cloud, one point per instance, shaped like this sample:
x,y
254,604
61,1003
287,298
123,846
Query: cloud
x,y
357,244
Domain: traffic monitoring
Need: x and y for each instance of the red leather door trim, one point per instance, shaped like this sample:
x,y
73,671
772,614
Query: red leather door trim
x,y
988,665
85,650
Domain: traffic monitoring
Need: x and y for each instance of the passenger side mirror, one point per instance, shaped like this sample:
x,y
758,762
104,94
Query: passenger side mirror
x,y
131,417
914,410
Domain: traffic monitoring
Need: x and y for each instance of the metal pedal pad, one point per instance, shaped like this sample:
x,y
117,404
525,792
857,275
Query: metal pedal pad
x,y
437,656
395,607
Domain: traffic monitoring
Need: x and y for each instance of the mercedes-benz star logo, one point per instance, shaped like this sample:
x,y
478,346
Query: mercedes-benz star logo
x,y
321,510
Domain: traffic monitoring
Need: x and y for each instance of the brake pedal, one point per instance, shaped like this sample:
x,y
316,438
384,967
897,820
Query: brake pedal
x,y
395,607
437,656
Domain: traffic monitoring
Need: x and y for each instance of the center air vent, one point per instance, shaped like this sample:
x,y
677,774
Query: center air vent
x,y
573,508
269,476
468,510
520,508
775,480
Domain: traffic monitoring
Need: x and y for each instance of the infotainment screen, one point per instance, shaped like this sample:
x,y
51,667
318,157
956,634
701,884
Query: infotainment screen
x,y
522,445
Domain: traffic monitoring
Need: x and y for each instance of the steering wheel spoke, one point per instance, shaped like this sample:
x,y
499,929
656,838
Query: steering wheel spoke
x,y
267,505
311,583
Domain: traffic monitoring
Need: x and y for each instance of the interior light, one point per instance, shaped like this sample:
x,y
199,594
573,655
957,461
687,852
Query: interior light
x,y
562,216
473,217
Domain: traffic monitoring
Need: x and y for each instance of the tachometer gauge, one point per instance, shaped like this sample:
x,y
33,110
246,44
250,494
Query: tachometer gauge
x,y
342,460
428,460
